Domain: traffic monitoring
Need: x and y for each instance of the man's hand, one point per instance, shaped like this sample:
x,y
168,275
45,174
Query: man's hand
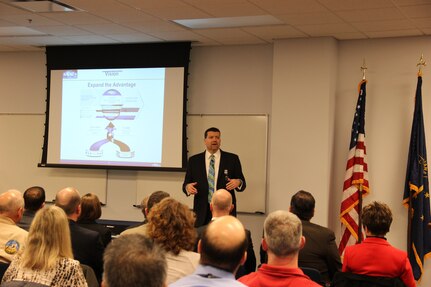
x,y
233,183
191,188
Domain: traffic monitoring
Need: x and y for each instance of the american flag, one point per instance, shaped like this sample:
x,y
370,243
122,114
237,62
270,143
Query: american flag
x,y
356,178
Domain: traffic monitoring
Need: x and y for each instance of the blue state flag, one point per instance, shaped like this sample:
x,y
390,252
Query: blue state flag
x,y
416,192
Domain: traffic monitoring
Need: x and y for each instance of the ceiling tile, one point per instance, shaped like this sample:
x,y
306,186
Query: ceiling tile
x,y
274,32
337,5
379,26
326,29
105,29
227,8
349,36
422,22
324,17
134,38
277,7
226,35
395,33
94,39
419,11
62,30
76,18
370,14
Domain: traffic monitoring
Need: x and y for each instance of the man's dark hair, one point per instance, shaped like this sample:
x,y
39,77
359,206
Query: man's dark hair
x,y
377,217
212,129
34,198
302,205
134,260
226,259
155,198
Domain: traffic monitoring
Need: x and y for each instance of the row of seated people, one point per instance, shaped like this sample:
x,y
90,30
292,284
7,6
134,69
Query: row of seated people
x,y
170,225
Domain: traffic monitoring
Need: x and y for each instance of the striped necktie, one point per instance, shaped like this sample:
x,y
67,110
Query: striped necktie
x,y
211,174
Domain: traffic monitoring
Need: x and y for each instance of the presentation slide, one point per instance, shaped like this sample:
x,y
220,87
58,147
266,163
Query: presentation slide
x,y
115,117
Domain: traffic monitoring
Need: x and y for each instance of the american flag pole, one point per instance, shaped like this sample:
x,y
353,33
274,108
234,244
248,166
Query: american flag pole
x,y
356,184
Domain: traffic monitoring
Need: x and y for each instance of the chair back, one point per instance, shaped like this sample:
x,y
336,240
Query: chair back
x,y
313,273
3,267
347,279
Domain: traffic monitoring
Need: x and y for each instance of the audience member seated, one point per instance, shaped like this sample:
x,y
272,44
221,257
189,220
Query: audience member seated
x,y
34,199
375,256
221,205
223,249
154,198
142,207
87,244
91,210
47,258
12,237
134,260
320,251
171,225
282,241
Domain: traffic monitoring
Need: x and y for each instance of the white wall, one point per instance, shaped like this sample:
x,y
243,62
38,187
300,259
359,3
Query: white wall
x,y
309,89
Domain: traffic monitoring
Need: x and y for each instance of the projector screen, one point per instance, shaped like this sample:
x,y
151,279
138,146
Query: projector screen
x,y
116,117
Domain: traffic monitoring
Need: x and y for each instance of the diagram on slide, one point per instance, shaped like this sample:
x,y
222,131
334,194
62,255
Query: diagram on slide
x,y
112,107
113,117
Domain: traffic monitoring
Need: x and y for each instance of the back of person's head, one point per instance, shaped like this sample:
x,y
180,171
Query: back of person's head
x,y
302,204
34,198
68,199
155,198
282,233
12,204
48,239
134,260
91,208
223,244
221,202
377,218
211,129
144,205
171,224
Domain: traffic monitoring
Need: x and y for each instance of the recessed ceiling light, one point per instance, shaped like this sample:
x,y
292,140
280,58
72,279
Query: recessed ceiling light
x,y
18,31
44,6
229,22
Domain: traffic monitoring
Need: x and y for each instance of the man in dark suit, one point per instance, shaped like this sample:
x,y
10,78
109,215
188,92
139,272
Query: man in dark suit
x,y
87,244
320,251
226,174
34,199
221,205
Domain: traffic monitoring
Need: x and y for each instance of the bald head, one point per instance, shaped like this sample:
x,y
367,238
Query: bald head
x,y
221,203
12,204
223,244
69,200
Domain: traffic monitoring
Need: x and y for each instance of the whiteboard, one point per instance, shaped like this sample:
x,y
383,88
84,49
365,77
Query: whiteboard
x,y
21,151
245,135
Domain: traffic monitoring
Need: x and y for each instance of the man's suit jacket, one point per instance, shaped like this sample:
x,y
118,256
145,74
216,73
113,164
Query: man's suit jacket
x,y
196,172
376,257
87,247
320,251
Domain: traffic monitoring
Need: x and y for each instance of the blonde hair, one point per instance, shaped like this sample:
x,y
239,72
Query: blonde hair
x,y
48,239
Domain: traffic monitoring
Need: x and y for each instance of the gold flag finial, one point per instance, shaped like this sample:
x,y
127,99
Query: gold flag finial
x,y
363,68
421,64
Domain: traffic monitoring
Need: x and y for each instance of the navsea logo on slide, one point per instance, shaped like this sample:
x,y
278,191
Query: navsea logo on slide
x,y
70,74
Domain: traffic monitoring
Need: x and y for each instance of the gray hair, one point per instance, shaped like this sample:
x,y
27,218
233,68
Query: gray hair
x,y
282,233
134,260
